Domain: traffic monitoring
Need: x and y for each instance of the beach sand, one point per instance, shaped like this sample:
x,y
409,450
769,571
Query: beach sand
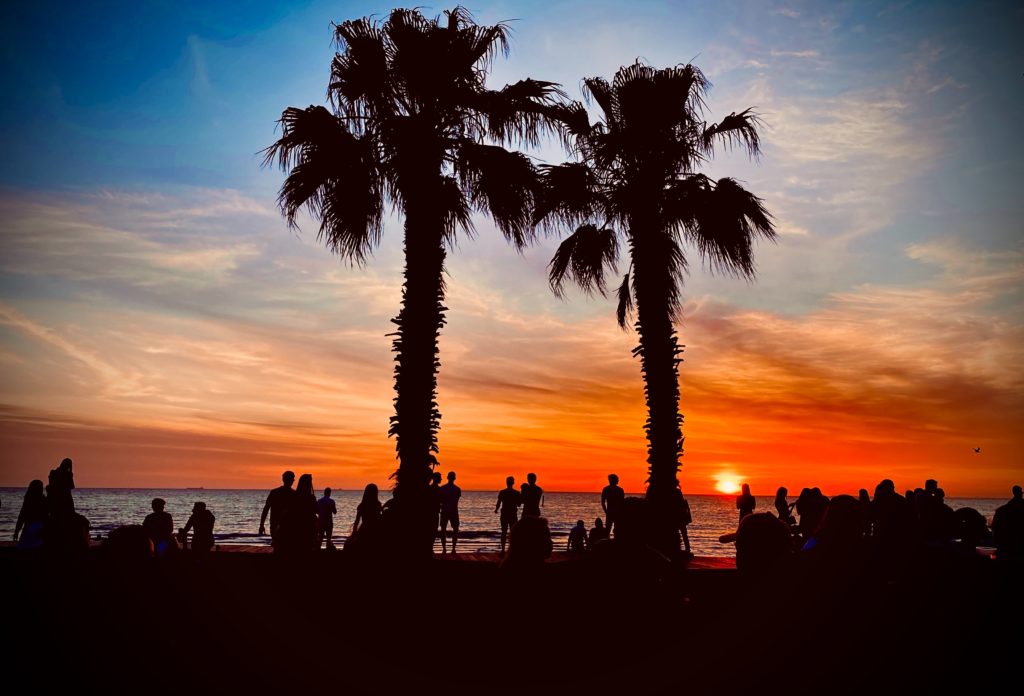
x,y
245,621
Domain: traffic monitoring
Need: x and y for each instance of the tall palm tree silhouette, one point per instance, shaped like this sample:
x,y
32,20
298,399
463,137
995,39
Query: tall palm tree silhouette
x,y
413,123
636,179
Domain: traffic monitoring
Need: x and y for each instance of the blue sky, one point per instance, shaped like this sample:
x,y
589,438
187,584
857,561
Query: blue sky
x,y
132,195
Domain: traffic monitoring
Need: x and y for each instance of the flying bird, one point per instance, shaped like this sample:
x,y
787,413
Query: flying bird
x,y
977,450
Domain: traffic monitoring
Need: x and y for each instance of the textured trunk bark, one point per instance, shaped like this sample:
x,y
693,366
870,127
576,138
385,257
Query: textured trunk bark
x,y
417,418
659,353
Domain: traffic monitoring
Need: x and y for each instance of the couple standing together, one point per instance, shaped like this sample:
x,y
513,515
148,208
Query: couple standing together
x,y
530,496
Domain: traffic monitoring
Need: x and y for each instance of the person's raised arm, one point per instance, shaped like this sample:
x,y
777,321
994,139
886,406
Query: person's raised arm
x,y
188,525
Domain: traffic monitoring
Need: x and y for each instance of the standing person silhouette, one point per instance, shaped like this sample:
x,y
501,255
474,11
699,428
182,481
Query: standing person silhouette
x,y
300,522
435,501
450,494
367,522
326,509
278,502
509,500
201,523
533,496
28,530
58,490
611,500
745,502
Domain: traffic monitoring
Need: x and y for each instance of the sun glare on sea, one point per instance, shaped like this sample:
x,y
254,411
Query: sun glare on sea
x,y
727,485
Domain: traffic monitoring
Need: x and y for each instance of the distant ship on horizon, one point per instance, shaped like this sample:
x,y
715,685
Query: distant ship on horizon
x,y
196,488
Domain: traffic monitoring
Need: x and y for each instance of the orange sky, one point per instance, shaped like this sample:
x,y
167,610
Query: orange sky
x,y
192,373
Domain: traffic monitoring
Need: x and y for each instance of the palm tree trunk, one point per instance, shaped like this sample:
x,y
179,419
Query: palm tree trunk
x,y
416,420
659,353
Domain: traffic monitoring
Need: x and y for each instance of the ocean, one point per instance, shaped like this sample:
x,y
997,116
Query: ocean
x,y
238,514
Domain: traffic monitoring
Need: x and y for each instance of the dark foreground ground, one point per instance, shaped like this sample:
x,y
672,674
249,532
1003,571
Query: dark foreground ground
x,y
237,623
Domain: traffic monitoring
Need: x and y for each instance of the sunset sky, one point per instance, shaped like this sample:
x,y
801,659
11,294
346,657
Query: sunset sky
x,y
160,324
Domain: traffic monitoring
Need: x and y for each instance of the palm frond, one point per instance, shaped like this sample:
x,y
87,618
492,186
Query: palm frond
x,y
735,130
502,184
584,256
567,195
359,80
722,220
624,307
332,174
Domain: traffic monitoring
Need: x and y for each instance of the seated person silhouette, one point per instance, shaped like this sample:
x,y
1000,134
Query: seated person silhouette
x,y
577,542
159,527
202,522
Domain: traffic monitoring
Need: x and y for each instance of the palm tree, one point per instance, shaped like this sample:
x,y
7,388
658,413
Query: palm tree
x,y
413,124
636,181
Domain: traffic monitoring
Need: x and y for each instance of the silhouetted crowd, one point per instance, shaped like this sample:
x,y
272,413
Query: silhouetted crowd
x,y
48,518
885,531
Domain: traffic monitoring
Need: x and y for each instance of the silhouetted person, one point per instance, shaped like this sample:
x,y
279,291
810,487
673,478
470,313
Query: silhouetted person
x,y
58,490
612,496
686,518
160,527
865,509
763,544
936,521
365,529
299,528
597,532
509,500
533,496
1008,528
201,524
435,500
326,509
28,531
278,502
784,508
450,494
971,529
529,544
892,522
745,502
577,541
811,507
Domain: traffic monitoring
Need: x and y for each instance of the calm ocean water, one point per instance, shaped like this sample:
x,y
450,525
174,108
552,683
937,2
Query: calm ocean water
x,y
238,514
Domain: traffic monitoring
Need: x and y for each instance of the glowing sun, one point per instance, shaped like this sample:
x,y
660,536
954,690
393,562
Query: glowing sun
x,y
727,485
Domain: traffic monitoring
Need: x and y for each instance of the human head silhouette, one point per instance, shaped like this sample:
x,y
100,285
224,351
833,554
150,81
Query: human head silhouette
x,y
158,504
451,477
65,465
782,492
510,481
436,477
370,492
581,524
598,523
327,492
1018,492
305,484
288,478
613,479
746,489
198,506
35,489
531,478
